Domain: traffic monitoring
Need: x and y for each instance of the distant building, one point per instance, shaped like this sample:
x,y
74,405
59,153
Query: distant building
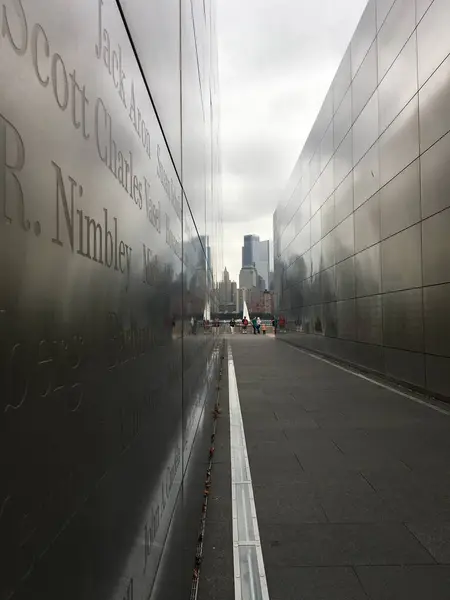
x,y
249,250
225,288
267,302
262,262
257,254
204,239
233,286
248,277
227,293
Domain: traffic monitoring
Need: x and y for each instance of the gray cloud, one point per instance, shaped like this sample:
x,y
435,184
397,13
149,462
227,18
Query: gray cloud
x,y
277,60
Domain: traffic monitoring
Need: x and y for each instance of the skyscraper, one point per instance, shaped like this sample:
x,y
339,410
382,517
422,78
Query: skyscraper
x,y
225,288
262,262
249,250
257,254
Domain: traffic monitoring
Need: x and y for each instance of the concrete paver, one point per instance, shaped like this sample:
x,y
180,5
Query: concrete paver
x,y
351,481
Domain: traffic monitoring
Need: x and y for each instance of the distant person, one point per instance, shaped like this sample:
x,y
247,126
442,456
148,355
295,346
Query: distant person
x,y
244,325
232,325
258,325
275,325
254,325
282,324
263,327
193,324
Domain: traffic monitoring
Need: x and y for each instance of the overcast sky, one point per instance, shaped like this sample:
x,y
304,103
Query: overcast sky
x,y
277,59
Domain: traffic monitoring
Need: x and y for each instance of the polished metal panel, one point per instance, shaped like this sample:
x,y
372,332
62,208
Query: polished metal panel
x,y
367,176
343,199
328,251
383,8
364,35
302,215
316,258
391,190
421,7
316,318
327,212
394,33
293,203
315,295
399,84
343,159
406,366
342,80
327,180
368,271
345,279
344,239
324,117
436,248
365,81
314,167
435,177
317,198
326,147
343,119
438,374
105,386
328,285
301,243
399,144
296,295
437,319
402,320
316,227
433,39
329,325
369,319
306,258
401,260
368,224
193,116
155,30
346,319
400,201
434,106
365,129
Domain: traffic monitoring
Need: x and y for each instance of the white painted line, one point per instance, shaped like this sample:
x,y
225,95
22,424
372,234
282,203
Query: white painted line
x,y
250,581
428,404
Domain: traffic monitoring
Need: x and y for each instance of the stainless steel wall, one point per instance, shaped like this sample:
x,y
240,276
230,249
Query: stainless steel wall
x,y
110,204
362,236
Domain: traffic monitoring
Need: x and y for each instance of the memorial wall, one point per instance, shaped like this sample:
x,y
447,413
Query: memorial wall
x,y
110,242
362,233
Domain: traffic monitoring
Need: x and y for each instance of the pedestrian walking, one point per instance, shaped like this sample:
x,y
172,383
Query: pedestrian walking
x,y
275,325
258,325
232,325
244,325
254,325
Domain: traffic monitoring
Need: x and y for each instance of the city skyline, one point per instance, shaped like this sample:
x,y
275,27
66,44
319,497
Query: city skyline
x,y
263,248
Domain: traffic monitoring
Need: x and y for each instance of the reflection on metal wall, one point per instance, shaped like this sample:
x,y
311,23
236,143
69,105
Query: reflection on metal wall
x,y
105,257
362,236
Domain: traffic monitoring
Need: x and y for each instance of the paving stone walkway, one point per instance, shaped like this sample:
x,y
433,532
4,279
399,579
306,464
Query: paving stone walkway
x,y
351,483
